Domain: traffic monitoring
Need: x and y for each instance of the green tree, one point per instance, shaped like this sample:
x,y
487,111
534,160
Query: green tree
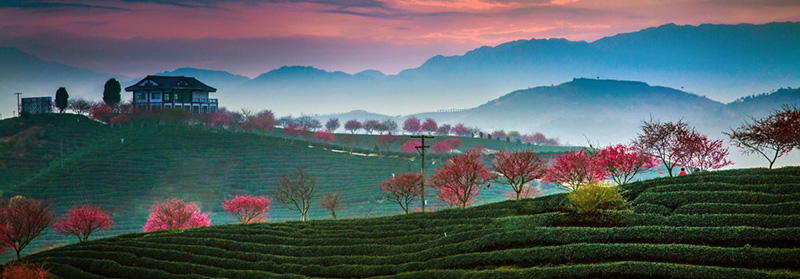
x,y
111,92
62,99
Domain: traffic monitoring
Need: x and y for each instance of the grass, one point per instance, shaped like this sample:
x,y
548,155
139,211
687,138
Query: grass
x,y
127,169
533,238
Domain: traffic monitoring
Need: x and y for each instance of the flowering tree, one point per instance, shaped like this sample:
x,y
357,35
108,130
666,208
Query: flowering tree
x,y
332,202
100,112
296,191
332,124
410,146
264,120
403,189
499,134
21,221
221,118
669,142
706,154
443,130
391,126
119,119
771,137
326,136
622,162
246,208
518,169
294,129
575,169
412,125
22,270
82,221
429,126
386,141
352,126
454,143
459,181
381,128
440,147
370,125
460,130
175,214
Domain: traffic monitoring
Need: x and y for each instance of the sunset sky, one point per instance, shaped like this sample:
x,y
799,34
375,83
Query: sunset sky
x,y
249,37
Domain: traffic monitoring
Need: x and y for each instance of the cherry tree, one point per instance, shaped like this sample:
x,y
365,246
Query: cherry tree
x,y
370,125
386,141
22,220
175,214
623,163
440,147
403,188
391,126
325,136
460,130
100,112
81,221
706,154
352,126
221,118
247,209
410,146
443,130
499,134
669,142
429,126
575,169
263,120
296,190
412,125
294,129
454,143
518,169
459,181
332,124
771,137
119,119
332,202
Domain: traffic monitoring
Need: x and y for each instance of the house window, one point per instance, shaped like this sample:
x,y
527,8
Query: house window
x,y
166,96
140,96
156,96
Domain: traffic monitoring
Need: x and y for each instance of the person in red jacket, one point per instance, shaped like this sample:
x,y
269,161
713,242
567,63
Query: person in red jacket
x,y
683,172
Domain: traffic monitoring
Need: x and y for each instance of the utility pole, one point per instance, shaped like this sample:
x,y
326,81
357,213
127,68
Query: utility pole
x,y
19,106
421,150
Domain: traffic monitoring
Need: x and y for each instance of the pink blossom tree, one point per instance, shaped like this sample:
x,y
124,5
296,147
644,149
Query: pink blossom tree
x,y
100,112
706,154
325,136
221,118
262,121
518,169
332,202
371,125
22,220
440,147
294,129
623,163
499,134
669,142
443,130
460,180
454,143
575,169
460,130
175,214
412,125
403,189
429,126
386,141
771,137
332,124
81,221
410,146
247,209
352,126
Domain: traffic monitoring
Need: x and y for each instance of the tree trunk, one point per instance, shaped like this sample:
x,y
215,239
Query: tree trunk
x,y
518,192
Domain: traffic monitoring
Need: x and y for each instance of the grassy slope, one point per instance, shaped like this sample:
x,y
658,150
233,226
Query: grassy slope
x,y
158,162
527,239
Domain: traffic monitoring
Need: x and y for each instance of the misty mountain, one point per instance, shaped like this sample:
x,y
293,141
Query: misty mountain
x,y
34,77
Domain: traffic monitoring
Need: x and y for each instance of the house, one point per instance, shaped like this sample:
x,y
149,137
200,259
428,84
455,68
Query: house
x,y
156,93
37,105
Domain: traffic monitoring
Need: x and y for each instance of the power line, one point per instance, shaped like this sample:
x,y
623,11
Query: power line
x,y
421,150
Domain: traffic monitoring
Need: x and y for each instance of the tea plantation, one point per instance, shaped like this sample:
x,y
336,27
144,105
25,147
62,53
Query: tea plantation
x,y
724,224
127,169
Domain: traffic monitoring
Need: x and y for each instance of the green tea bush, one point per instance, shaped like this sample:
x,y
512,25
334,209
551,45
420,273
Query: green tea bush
x,y
676,199
787,208
643,208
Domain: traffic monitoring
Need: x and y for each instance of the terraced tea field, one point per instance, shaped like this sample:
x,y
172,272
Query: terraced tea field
x,y
127,169
724,224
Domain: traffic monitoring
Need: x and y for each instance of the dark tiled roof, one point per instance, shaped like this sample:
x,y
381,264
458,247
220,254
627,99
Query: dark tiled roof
x,y
166,83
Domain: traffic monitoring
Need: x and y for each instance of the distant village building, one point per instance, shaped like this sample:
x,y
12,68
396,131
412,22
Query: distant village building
x,y
37,105
155,93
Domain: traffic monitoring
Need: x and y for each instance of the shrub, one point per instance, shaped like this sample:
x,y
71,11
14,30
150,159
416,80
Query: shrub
x,y
786,208
595,198
676,199
20,270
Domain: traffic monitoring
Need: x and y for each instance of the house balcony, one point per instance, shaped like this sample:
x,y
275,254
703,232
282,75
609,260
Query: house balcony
x,y
205,101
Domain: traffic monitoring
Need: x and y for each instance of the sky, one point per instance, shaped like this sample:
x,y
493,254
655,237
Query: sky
x,y
250,37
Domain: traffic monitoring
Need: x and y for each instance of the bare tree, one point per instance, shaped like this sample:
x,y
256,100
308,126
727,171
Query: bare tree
x,y
332,202
22,220
296,191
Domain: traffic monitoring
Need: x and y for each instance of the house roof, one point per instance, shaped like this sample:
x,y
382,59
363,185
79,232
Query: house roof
x,y
167,83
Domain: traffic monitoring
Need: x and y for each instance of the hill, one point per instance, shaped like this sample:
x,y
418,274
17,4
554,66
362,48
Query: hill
x,y
127,169
696,59
724,224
